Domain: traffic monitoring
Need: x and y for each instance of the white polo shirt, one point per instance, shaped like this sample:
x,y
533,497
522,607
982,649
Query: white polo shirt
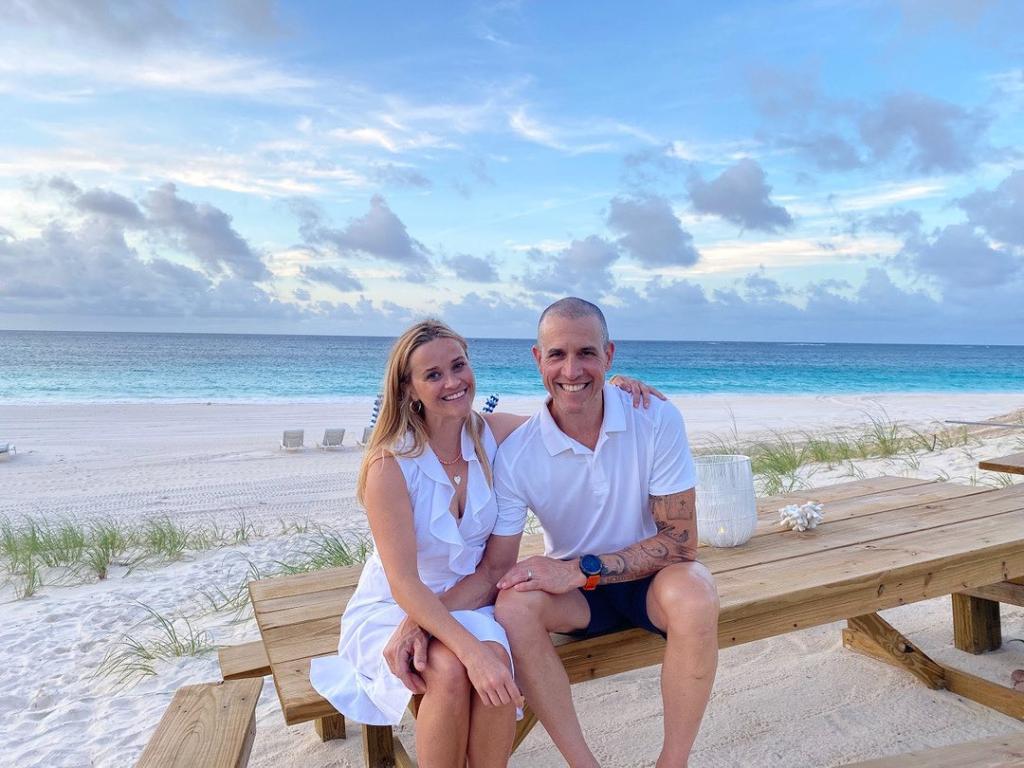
x,y
594,502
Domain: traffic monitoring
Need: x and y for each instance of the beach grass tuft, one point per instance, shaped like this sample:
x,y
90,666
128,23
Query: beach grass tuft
x,y
136,656
327,548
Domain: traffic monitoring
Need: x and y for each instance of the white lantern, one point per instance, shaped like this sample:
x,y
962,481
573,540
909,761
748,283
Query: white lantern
x,y
726,510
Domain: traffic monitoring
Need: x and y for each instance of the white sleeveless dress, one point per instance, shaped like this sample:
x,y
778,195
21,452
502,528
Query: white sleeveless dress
x,y
357,681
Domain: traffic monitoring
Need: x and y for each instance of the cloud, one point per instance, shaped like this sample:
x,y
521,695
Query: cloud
x,y
896,222
379,233
400,176
740,195
120,23
829,151
650,231
336,277
959,258
928,134
205,231
91,271
582,268
1000,212
472,268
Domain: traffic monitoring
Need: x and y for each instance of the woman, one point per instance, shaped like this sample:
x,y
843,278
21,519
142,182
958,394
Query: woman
x,y
441,546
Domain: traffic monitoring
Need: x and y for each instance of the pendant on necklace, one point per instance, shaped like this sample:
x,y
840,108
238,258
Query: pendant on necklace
x,y
457,479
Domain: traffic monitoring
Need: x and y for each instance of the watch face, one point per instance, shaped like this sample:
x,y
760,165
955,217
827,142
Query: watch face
x,y
590,565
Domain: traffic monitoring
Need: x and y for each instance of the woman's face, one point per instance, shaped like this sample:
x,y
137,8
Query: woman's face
x,y
441,378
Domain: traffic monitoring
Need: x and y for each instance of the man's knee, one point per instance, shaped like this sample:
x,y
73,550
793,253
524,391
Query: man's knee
x,y
444,672
686,597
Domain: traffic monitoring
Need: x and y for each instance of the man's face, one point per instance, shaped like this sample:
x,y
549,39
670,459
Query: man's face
x,y
573,361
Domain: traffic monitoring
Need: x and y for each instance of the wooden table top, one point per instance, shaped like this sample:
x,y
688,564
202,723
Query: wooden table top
x,y
884,542
1014,463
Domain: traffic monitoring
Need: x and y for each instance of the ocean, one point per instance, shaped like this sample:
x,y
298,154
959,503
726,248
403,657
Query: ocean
x,y
128,367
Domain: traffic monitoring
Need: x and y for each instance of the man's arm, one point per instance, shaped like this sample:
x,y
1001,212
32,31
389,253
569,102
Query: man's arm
x,y
675,541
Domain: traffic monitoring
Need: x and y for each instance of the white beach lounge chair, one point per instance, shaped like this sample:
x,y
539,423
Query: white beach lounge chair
x,y
332,440
7,450
292,440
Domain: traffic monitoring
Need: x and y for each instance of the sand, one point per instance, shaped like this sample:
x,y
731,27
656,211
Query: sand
x,y
798,700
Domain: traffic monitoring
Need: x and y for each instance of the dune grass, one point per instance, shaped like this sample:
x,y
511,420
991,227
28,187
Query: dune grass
x,y
36,553
781,462
161,638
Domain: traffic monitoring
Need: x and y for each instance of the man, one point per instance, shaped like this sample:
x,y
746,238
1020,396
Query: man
x,y
613,488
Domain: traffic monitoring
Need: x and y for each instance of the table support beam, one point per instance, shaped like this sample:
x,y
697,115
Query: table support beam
x,y
330,727
873,636
382,750
976,627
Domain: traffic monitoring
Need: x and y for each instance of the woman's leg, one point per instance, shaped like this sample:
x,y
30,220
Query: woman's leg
x,y
442,725
491,729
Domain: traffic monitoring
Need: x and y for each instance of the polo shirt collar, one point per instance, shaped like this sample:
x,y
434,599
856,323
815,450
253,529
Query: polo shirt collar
x,y
556,441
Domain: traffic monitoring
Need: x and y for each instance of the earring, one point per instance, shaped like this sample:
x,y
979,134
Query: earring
x,y
416,406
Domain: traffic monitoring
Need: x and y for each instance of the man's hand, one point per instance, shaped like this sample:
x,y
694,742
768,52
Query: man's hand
x,y
555,577
406,654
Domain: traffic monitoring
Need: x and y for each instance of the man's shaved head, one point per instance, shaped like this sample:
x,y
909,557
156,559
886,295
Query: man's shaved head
x,y
574,308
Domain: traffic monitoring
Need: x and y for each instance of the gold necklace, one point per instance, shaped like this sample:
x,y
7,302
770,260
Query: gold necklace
x,y
456,478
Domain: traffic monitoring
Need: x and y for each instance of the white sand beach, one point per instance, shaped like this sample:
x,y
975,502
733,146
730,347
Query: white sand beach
x,y
799,700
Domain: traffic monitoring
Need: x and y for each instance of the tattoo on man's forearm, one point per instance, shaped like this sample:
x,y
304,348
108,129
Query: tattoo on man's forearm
x,y
673,517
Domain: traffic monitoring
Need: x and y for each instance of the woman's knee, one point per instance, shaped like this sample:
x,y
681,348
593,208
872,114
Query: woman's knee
x,y
517,610
444,672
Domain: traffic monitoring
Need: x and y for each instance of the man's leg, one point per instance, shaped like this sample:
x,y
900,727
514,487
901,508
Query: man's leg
x,y
528,617
683,603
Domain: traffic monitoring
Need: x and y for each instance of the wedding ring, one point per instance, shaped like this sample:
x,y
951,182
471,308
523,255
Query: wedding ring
x,y
529,575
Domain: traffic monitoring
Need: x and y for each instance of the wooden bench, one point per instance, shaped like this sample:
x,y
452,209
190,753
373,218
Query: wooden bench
x,y
210,725
999,752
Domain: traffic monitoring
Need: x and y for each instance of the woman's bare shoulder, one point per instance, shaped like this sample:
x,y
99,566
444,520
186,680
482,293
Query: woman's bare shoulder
x,y
504,424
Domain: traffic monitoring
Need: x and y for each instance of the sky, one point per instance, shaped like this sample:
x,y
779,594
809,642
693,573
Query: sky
x,y
811,170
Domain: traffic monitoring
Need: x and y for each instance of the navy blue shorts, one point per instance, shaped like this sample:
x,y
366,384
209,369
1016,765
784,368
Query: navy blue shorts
x,y
615,607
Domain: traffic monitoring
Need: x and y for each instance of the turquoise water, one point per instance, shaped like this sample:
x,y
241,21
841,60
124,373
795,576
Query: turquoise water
x,y
59,366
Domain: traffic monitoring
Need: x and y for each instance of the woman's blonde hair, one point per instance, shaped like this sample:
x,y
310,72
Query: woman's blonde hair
x,y
397,417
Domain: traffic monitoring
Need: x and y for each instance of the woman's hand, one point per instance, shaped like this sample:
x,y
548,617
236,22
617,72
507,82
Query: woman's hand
x,y
406,654
636,388
491,678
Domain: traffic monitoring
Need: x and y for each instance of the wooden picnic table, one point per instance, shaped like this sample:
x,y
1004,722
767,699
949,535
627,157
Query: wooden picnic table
x,y
1014,464
885,542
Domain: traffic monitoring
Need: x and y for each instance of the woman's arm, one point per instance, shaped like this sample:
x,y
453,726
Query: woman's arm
x,y
391,522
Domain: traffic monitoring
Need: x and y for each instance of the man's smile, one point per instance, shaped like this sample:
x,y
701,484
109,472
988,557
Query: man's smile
x,y
574,387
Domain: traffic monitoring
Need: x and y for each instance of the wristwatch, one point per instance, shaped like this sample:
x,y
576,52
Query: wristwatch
x,y
591,566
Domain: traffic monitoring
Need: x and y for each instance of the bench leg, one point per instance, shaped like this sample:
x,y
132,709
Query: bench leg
x,y
873,636
976,627
330,727
382,750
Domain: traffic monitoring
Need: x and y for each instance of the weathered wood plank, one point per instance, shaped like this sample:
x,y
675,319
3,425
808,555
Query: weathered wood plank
x,y
976,627
998,697
212,725
999,752
1003,592
1014,464
238,662
873,635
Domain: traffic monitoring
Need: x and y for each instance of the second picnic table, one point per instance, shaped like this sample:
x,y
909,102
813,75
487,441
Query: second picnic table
x,y
885,542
